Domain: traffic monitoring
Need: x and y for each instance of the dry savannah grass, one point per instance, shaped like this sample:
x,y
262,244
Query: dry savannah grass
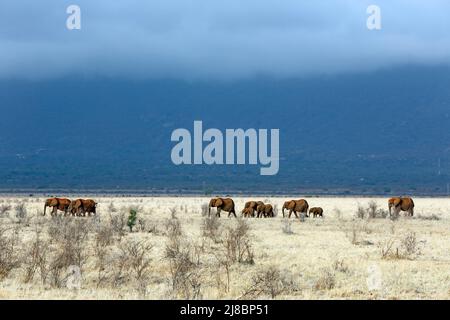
x,y
174,251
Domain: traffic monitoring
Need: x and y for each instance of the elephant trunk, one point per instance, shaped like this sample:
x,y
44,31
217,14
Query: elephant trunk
x,y
282,209
209,210
45,208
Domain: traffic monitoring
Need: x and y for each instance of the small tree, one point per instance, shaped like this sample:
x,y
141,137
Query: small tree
x,y
132,219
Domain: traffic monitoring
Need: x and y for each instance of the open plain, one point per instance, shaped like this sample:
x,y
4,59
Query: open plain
x,y
356,251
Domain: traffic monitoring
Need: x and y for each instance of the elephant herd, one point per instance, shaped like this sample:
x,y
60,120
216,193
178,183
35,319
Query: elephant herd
x,y
78,207
259,209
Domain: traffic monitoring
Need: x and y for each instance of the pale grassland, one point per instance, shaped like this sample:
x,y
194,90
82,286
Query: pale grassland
x,y
329,258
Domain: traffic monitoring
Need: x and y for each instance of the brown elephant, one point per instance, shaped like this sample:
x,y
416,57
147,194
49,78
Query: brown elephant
x,y
61,204
296,206
250,208
265,210
225,204
82,206
247,212
316,211
401,204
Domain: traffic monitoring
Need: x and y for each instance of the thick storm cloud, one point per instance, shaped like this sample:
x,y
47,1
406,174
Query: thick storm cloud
x,y
219,39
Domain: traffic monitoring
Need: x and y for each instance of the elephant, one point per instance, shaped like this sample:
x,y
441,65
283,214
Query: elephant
x,y
401,204
83,206
296,206
225,204
264,209
316,211
250,208
247,212
61,204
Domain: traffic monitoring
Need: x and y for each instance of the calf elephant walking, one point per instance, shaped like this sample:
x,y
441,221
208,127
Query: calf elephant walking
x,y
316,211
265,210
250,208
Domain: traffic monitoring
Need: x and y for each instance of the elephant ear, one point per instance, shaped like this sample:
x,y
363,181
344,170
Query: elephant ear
x,y
397,201
219,202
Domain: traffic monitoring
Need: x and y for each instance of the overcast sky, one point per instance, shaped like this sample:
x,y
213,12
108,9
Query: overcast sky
x,y
218,39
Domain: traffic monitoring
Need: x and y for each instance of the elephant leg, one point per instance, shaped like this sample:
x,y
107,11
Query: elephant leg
x,y
218,212
296,215
54,211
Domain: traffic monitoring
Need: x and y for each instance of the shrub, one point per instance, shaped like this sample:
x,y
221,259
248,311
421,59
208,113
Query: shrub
x,y
132,219
371,211
267,282
4,209
406,248
211,228
9,258
35,259
286,226
237,242
326,281
117,223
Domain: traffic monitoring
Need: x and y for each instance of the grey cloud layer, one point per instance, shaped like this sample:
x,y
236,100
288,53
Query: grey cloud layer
x,y
222,39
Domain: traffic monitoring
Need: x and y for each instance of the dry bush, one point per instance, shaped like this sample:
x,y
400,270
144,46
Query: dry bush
x,y
118,223
340,266
70,248
141,225
21,213
112,208
211,228
372,211
265,283
338,214
205,208
173,227
237,242
35,259
326,281
4,209
102,265
185,268
354,232
138,257
9,256
406,247
223,262
104,235
286,226
410,246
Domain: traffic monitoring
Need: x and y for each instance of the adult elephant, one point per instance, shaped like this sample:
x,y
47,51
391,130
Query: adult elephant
x,y
296,206
61,204
265,210
401,204
83,206
250,208
316,212
225,204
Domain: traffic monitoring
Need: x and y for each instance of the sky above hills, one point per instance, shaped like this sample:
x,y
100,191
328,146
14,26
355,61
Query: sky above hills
x,y
233,39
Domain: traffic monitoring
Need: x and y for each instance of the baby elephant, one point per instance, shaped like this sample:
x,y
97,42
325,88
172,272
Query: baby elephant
x,y
248,213
316,211
265,210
